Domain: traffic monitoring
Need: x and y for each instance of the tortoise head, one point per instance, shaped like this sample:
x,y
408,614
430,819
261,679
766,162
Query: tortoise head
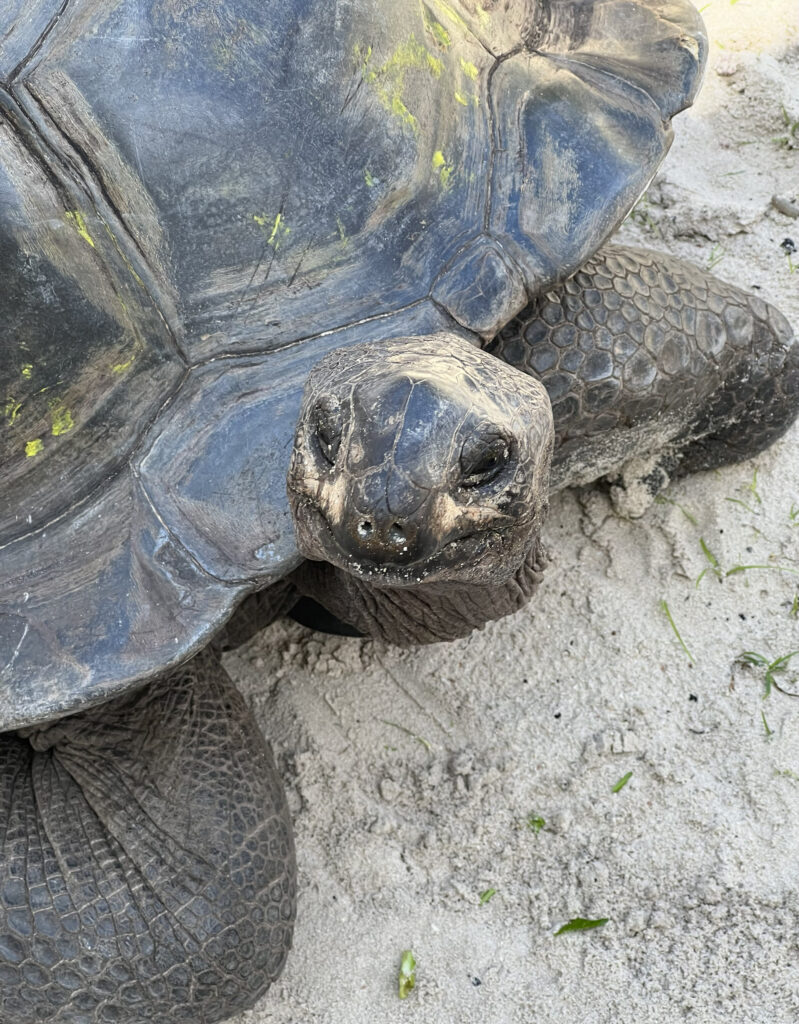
x,y
420,459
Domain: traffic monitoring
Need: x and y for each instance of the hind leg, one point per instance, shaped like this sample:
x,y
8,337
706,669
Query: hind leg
x,y
654,369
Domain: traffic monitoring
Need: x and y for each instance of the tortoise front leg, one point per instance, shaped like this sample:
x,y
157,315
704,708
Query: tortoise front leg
x,y
655,369
146,860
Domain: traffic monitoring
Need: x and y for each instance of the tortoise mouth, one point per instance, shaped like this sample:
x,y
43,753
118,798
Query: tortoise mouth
x,y
459,559
418,460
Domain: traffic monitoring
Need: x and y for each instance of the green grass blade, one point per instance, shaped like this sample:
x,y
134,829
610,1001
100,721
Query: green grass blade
x,y
622,782
668,615
708,553
778,665
582,924
419,739
752,658
743,504
745,568
407,974
661,499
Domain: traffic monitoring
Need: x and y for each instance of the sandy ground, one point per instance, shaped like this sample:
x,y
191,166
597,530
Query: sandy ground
x,y
412,775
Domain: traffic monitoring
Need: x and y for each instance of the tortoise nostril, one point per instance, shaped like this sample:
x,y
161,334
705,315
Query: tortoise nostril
x,y
387,536
397,535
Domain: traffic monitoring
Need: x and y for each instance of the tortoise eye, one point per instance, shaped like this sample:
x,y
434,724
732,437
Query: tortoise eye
x,y
483,459
328,427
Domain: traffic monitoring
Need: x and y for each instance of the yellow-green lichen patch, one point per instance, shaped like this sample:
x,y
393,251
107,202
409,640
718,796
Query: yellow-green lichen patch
x,y
122,367
434,27
388,80
449,12
27,370
368,178
275,230
75,217
469,69
442,168
61,419
33,447
342,232
11,409
466,100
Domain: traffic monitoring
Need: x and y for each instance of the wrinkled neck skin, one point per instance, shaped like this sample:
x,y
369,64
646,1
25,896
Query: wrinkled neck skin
x,y
421,465
427,614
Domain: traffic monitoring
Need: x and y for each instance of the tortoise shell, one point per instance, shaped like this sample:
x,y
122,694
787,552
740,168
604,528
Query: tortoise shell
x,y
199,200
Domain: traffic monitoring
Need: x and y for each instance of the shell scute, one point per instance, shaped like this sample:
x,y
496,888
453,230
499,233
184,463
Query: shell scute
x,y
86,360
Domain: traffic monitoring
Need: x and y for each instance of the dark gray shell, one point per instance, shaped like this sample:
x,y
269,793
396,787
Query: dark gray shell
x,y
200,199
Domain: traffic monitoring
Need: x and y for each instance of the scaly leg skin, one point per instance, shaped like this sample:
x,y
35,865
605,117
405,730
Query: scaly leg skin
x,y
146,860
654,369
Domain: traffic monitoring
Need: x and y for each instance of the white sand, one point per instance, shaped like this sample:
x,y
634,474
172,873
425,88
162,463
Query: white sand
x,y
696,860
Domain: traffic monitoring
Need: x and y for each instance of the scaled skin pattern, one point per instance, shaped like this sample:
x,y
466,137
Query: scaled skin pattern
x,y
306,307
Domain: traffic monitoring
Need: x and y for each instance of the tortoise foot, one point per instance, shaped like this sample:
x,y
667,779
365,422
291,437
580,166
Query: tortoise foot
x,y
146,860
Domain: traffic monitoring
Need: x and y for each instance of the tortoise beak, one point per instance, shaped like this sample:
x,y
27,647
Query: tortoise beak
x,y
420,459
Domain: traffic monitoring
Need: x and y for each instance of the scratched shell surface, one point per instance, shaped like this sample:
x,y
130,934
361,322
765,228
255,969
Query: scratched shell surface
x,y
198,201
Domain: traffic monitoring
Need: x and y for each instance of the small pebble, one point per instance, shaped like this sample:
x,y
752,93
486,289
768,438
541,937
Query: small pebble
x,y
461,763
389,790
382,826
559,822
636,922
785,206
727,64
659,919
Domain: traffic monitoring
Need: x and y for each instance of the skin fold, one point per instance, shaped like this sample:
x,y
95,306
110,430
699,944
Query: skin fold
x,y
148,863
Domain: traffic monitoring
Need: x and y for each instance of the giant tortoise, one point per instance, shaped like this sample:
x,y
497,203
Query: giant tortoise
x,y
305,305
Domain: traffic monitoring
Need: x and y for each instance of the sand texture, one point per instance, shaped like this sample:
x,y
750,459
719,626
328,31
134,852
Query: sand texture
x,y
412,775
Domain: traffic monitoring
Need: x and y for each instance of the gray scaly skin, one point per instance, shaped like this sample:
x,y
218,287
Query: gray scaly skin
x,y
647,357
147,868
